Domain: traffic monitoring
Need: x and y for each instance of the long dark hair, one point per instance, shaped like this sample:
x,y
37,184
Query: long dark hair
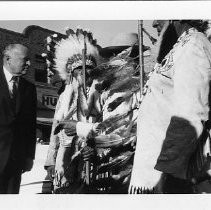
x,y
168,39
200,25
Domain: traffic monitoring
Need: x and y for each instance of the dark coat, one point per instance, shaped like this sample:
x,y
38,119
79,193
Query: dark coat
x,y
17,126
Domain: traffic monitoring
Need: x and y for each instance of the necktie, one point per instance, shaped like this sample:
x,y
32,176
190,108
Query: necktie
x,y
14,88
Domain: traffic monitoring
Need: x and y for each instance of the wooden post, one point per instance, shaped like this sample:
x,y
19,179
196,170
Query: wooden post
x,y
141,55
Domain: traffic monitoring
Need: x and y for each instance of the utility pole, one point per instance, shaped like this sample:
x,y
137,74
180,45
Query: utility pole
x,y
141,55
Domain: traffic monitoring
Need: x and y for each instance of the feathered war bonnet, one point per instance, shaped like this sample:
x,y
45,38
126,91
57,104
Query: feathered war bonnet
x,y
68,52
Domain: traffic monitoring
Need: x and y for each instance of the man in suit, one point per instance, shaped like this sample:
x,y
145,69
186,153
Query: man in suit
x,y
17,118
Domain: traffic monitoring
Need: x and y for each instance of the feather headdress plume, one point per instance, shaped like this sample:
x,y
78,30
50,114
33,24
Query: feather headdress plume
x,y
117,75
68,52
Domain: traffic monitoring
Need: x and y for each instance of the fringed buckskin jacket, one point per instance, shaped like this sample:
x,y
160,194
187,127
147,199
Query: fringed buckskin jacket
x,y
171,116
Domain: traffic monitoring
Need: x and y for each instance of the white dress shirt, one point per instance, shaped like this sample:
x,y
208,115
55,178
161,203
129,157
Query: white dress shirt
x,y
9,80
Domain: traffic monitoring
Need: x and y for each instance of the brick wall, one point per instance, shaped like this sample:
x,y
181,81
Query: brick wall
x,y
35,38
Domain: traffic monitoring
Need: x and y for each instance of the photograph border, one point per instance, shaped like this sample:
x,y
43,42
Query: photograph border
x,y
104,10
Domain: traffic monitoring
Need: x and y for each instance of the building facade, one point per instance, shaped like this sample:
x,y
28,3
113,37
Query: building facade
x,y
34,37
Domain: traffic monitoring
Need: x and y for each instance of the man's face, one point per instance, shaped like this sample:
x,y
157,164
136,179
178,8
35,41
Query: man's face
x,y
18,61
89,79
158,24
77,72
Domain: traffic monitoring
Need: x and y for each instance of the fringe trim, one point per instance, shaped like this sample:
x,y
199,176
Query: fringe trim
x,y
141,190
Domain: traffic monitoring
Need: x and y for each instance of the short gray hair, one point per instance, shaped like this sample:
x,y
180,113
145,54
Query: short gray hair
x,y
11,47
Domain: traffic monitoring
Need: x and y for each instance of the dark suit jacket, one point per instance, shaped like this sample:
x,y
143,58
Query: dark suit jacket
x,y
17,126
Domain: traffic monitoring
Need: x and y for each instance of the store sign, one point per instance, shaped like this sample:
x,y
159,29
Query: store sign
x,y
49,101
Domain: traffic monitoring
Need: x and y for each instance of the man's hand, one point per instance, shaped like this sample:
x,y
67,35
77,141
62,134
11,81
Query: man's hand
x,y
69,127
59,173
60,178
28,165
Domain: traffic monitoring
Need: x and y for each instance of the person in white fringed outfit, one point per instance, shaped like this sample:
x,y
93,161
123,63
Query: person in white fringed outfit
x,y
173,117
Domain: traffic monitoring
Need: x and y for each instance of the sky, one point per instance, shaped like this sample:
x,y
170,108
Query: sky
x,y
104,18
103,30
